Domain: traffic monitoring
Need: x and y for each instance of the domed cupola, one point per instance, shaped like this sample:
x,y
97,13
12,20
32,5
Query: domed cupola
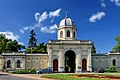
x,y
67,29
66,22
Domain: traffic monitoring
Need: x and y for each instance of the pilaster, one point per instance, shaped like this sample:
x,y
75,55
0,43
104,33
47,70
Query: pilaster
x,y
13,65
78,61
61,60
89,61
50,59
23,63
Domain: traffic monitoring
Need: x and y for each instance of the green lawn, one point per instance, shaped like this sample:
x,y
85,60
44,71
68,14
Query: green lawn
x,y
72,76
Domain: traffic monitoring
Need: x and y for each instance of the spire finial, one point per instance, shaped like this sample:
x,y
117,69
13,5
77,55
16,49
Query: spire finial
x,y
66,14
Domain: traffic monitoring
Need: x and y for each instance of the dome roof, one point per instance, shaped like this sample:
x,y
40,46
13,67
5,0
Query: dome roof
x,y
66,22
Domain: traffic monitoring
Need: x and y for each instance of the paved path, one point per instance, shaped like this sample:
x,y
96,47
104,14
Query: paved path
x,y
7,76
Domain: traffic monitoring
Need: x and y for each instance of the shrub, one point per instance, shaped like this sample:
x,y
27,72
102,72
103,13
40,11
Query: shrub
x,y
111,69
20,72
107,70
33,71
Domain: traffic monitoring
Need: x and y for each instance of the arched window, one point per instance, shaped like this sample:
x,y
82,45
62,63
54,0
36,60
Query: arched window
x,y
61,34
18,63
8,64
114,62
68,33
74,34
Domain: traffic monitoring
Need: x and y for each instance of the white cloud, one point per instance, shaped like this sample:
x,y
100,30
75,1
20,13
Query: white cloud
x,y
55,13
22,31
117,2
37,15
10,35
97,16
103,3
41,19
21,43
51,29
26,28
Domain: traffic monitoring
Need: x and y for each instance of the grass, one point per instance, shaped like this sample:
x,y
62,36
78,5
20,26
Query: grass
x,y
73,76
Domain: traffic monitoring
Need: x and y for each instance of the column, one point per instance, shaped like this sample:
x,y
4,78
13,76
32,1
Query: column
x,y
89,61
50,59
61,61
78,61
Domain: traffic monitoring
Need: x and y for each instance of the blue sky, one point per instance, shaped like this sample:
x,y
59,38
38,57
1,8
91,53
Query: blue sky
x,y
96,20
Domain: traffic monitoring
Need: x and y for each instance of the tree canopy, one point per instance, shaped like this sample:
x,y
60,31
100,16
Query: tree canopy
x,y
33,47
32,41
7,45
93,50
41,47
117,47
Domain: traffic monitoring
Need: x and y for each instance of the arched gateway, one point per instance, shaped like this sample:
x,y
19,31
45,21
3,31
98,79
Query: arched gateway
x,y
70,61
68,51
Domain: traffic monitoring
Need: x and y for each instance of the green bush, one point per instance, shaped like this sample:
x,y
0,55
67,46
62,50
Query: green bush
x,y
107,70
32,71
20,72
111,69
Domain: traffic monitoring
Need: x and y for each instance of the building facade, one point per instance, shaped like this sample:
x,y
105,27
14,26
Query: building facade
x,y
21,61
66,54
106,60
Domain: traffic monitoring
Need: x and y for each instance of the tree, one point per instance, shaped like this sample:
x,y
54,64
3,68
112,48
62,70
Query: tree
x,y
3,42
117,47
33,47
7,45
93,49
21,47
32,41
41,47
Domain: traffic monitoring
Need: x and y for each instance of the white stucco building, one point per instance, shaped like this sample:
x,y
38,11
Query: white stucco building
x,y
67,53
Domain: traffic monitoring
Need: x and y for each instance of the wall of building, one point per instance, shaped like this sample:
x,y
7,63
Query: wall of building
x,y
100,61
27,61
115,57
13,58
36,61
105,60
1,63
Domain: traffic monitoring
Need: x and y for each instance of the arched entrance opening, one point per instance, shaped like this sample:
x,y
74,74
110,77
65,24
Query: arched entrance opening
x,y
18,63
8,64
84,65
55,65
70,61
114,62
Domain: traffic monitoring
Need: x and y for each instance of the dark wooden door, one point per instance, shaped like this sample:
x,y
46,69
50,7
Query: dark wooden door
x,y
84,65
55,65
